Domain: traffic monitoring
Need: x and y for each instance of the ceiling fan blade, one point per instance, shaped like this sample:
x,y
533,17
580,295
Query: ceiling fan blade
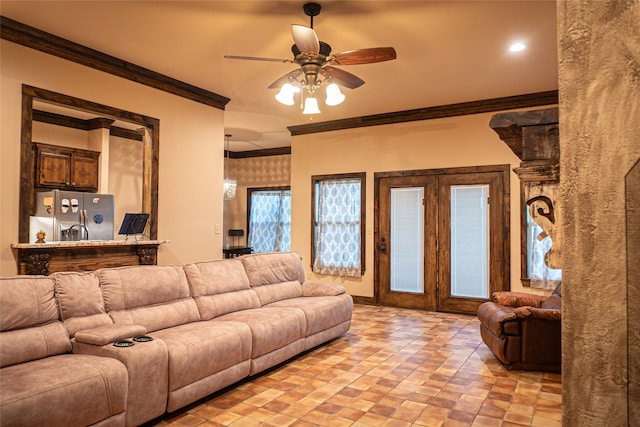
x,y
284,79
305,38
341,77
365,56
255,58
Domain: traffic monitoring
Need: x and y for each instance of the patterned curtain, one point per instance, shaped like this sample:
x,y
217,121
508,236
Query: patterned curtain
x,y
337,227
270,221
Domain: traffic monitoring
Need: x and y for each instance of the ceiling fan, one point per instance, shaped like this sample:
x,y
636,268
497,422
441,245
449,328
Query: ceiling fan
x,y
317,66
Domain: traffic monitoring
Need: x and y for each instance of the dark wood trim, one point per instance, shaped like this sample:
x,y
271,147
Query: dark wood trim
x,y
258,153
34,38
135,135
27,154
76,123
59,120
82,104
27,195
442,111
509,126
363,300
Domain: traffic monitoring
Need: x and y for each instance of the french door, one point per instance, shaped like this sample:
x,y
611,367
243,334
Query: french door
x,y
442,237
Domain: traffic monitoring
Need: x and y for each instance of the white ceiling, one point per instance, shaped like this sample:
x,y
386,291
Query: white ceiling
x,y
448,51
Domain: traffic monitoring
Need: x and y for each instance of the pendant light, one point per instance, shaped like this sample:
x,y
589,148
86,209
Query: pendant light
x,y
228,185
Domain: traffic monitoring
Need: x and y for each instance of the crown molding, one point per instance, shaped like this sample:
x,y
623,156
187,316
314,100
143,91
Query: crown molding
x,y
34,38
451,110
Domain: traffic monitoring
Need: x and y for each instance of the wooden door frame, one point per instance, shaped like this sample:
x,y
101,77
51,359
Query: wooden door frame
x,y
505,169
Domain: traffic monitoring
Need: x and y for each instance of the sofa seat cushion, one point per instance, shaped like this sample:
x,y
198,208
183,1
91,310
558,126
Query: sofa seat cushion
x,y
271,328
199,349
321,313
71,389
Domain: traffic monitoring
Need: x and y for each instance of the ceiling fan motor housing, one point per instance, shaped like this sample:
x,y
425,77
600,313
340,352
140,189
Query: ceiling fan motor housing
x,y
311,9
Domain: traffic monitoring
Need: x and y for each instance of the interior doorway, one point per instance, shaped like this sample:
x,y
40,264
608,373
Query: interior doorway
x,y
442,237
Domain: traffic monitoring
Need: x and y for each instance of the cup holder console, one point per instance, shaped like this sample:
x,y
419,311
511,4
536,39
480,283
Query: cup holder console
x,y
129,343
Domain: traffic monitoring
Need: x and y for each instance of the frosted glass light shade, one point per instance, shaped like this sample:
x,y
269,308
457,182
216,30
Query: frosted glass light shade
x,y
334,96
285,96
229,188
311,106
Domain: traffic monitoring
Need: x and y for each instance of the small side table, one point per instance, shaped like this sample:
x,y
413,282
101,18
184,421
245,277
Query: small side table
x,y
236,251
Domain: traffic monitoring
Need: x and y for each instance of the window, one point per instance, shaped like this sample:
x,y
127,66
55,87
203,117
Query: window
x,y
540,223
338,224
269,220
470,241
539,244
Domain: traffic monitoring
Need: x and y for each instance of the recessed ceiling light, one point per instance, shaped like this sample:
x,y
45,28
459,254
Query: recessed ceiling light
x,y
517,47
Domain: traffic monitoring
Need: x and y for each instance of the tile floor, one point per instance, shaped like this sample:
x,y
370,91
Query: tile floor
x,y
394,367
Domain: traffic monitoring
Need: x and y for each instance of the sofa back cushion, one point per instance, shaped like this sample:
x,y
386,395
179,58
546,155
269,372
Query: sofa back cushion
x,y
30,328
80,301
156,297
220,287
275,276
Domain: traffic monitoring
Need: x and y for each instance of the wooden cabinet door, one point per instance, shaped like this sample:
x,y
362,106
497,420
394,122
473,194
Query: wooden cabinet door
x,y
84,170
66,168
54,168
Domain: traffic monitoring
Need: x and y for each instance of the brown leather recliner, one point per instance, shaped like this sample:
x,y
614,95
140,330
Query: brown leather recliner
x,y
523,330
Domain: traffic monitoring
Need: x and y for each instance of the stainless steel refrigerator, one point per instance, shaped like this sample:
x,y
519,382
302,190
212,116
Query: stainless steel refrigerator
x,y
75,215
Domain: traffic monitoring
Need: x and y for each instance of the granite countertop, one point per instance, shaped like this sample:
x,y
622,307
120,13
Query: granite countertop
x,y
86,243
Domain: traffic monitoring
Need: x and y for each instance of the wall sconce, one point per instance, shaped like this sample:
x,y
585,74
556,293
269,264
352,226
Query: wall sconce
x,y
228,185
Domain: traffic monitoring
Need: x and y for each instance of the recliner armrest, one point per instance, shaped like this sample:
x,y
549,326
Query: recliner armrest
x,y
106,334
494,316
517,299
538,313
320,289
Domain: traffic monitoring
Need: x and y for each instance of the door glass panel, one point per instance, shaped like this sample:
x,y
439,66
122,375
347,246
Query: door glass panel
x,y
407,237
469,241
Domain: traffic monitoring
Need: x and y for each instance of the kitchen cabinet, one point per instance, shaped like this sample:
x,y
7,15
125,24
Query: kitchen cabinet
x,y
66,168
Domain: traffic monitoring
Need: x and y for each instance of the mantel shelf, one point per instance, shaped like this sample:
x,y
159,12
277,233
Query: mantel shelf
x,y
84,255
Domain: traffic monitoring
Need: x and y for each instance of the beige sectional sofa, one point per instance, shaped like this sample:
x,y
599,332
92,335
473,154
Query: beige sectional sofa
x,y
195,329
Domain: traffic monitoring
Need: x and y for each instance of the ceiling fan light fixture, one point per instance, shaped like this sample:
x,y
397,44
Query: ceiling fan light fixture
x,y
334,95
311,106
285,95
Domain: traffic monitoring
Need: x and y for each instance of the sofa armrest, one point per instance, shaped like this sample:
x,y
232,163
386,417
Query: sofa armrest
x,y
494,317
102,335
319,289
538,313
517,299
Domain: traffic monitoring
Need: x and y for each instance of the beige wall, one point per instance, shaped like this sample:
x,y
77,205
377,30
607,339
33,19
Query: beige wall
x,y
441,143
191,146
599,46
125,178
